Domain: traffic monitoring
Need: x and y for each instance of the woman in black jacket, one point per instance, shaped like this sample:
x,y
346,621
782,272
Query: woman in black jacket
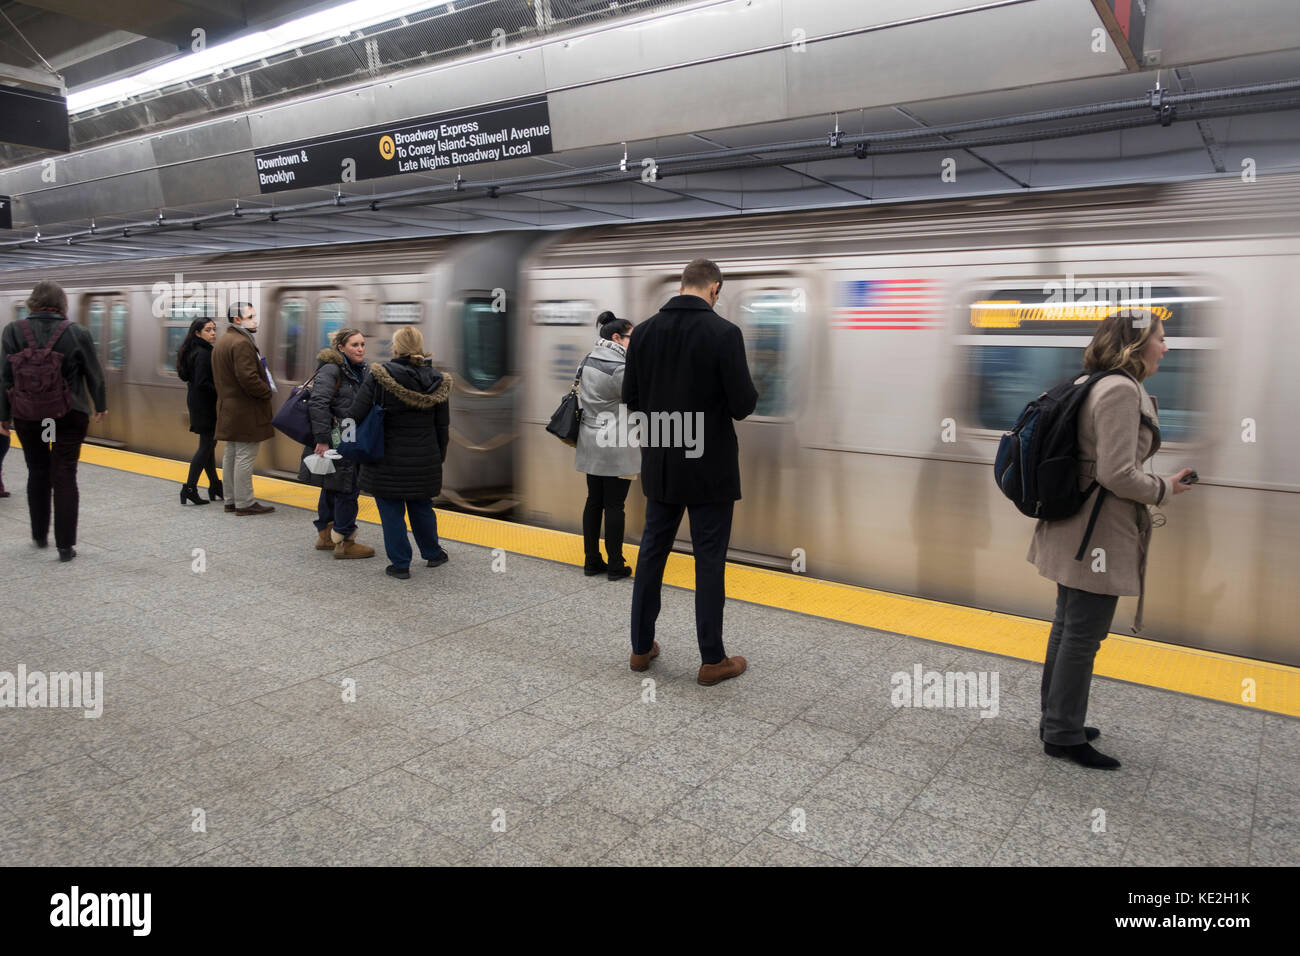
x,y
416,427
194,366
338,378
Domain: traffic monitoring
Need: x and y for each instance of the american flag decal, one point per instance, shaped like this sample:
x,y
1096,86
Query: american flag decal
x,y
887,304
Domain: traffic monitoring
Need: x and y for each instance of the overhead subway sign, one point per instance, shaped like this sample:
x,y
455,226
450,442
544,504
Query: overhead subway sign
x,y
484,134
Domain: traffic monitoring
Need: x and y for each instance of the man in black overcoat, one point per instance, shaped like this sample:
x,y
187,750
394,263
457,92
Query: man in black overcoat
x,y
687,374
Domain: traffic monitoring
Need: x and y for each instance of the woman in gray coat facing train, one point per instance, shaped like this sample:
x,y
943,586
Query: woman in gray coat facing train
x,y
1118,433
339,377
608,463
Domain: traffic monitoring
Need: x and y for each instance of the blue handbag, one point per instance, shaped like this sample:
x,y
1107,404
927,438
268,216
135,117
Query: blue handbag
x,y
368,443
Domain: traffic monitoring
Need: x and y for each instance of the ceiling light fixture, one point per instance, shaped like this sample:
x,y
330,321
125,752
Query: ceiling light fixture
x,y
340,21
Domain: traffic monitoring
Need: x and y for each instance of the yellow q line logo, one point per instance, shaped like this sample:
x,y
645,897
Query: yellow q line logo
x,y
386,147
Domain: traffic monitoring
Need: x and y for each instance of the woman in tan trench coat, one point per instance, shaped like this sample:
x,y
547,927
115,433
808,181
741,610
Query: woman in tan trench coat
x,y
1118,432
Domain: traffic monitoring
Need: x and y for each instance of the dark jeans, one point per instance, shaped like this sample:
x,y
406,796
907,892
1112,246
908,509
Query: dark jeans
x,y
1082,622
52,471
204,460
605,496
710,532
424,525
341,508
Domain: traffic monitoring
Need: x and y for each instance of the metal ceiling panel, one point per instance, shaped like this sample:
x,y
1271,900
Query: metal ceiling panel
x,y
993,49
746,90
1192,32
709,30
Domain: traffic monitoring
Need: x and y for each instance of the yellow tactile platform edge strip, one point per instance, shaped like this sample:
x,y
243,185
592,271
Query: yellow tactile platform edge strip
x,y
1184,670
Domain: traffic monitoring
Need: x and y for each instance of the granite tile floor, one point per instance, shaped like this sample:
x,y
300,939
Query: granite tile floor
x,y
264,704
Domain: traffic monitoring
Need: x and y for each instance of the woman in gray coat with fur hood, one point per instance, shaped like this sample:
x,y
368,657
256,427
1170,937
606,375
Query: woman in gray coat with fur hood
x,y
1118,433
339,377
607,460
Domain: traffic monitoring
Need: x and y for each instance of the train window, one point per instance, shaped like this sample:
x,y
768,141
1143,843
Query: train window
x,y
768,320
174,335
565,312
1025,340
20,310
177,325
331,316
289,342
95,319
117,335
485,346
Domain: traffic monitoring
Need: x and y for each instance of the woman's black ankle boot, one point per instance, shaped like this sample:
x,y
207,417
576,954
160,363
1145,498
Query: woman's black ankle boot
x,y
191,494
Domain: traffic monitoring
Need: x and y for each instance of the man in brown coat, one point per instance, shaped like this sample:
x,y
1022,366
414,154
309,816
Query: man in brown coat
x,y
244,387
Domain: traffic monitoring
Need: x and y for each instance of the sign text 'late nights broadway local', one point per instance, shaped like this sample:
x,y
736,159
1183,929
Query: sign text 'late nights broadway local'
x,y
484,134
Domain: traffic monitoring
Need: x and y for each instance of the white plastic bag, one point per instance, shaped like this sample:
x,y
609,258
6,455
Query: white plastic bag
x,y
319,464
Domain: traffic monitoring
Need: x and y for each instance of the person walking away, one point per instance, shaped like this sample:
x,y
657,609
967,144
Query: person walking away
x,y
48,364
417,425
609,467
194,368
244,389
339,377
689,362
1118,432
4,450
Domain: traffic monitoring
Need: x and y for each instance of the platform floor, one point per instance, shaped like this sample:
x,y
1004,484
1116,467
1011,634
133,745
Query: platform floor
x,y
496,722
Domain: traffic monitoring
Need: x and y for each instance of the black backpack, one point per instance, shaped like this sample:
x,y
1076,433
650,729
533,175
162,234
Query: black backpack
x,y
1037,465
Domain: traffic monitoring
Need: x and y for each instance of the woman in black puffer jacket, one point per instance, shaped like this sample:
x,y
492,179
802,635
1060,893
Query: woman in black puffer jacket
x,y
339,376
416,429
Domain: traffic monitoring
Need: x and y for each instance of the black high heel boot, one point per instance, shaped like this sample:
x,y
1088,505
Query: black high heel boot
x,y
215,491
191,494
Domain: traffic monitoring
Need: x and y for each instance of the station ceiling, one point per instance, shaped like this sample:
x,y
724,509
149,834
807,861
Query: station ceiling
x,y
596,113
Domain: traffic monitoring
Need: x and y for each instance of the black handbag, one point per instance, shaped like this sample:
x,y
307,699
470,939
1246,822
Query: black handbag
x,y
293,419
567,419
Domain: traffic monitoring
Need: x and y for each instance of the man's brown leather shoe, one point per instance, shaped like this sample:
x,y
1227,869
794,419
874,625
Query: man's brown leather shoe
x,y
641,662
726,668
256,508
230,507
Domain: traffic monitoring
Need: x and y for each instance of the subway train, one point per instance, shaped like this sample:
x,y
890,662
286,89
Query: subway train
x,y
891,346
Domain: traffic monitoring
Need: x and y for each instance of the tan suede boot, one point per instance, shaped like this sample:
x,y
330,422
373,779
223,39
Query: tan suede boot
x,y
348,547
323,540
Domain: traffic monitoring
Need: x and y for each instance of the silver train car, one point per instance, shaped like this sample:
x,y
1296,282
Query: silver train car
x,y
891,346
460,292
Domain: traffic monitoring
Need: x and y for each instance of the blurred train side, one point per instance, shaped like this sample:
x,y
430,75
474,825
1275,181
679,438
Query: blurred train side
x,y
460,292
870,452
871,456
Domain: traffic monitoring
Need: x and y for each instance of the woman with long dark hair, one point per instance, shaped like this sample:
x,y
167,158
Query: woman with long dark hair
x,y
194,367
608,465
1118,433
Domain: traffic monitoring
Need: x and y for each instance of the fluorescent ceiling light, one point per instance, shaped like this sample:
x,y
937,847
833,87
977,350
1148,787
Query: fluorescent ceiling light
x,y
336,22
